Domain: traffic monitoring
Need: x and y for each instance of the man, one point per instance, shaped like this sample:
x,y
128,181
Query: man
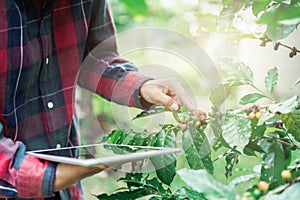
x,y
42,44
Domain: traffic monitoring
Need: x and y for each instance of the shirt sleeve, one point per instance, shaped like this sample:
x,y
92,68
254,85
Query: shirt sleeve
x,y
103,71
23,175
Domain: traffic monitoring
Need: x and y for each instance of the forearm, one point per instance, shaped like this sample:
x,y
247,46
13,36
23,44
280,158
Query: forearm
x,y
67,175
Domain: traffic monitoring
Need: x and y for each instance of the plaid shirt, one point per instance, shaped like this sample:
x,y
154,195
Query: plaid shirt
x,y
42,46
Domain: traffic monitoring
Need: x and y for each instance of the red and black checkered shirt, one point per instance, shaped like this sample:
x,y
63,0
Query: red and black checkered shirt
x,y
42,46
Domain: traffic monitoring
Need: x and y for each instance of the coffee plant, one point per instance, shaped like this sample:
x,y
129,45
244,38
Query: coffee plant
x,y
271,132
268,131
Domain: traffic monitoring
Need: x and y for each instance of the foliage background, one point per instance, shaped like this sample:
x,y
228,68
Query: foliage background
x,y
183,16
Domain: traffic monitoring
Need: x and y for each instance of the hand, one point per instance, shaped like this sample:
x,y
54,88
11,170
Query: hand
x,y
168,93
67,175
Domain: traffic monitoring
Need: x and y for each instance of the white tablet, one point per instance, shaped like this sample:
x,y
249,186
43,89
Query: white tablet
x,y
107,154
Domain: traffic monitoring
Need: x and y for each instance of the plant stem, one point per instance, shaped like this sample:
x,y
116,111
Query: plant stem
x,y
291,48
284,187
264,93
284,142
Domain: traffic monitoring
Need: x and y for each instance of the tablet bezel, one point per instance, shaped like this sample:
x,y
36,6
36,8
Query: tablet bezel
x,y
113,160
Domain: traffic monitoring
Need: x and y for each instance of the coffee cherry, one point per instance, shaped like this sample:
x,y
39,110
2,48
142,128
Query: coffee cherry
x,y
195,118
246,195
263,186
197,123
202,118
263,44
258,115
257,193
286,174
182,119
251,115
182,126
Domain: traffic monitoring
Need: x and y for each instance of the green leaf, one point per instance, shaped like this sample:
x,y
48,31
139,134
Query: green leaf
x,y
225,2
279,31
271,79
273,163
191,144
176,117
281,20
288,14
288,106
291,193
129,139
165,165
197,149
251,147
151,140
138,186
113,137
259,6
125,195
134,7
138,181
232,159
292,124
257,130
236,129
214,127
296,83
248,151
139,139
185,193
241,36
270,15
203,182
241,179
220,94
266,116
228,12
237,72
209,16
273,129
155,110
251,98
208,163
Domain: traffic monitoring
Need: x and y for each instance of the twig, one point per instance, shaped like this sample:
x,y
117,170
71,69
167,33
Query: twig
x,y
283,187
283,142
293,51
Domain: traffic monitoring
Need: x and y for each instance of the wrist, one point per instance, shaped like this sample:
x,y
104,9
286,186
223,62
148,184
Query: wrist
x,y
67,175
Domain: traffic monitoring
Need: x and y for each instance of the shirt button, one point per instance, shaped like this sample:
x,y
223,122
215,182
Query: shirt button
x,y
50,104
47,61
58,146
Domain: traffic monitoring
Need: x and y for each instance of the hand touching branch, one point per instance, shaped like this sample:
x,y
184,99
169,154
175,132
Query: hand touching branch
x,y
168,93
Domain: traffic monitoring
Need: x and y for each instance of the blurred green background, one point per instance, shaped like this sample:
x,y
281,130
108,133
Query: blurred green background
x,y
195,19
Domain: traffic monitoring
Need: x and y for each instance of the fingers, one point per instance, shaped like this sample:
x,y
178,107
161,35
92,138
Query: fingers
x,y
172,105
184,96
180,93
163,98
101,167
167,92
